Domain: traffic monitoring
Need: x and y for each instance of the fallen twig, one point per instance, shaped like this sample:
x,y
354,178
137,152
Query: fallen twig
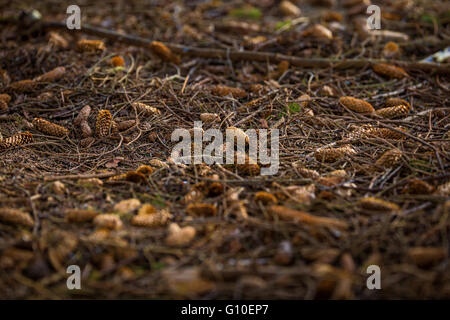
x,y
80,176
243,55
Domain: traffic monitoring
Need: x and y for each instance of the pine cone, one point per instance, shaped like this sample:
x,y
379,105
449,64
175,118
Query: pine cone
x,y
85,129
331,181
238,133
417,186
131,176
87,142
209,117
90,45
393,112
52,75
119,177
16,217
157,219
426,256
83,115
318,31
356,105
164,53
308,173
145,170
249,168
388,133
393,102
158,163
5,97
368,131
201,209
289,9
4,100
389,71
104,125
23,85
371,203
80,215
49,128
145,109
222,91
265,198
389,159
333,154
57,40
108,221
16,140
135,177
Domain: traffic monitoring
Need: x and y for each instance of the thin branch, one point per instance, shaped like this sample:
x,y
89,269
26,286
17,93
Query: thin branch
x,y
243,55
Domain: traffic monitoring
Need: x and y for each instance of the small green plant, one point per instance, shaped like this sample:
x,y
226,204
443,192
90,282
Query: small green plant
x,y
247,12
294,107
429,18
283,25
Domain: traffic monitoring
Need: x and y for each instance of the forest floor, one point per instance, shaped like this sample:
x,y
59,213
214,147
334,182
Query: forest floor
x,y
375,194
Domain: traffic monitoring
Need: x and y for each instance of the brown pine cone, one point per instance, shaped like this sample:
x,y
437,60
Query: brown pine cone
x,y
104,125
156,219
389,159
23,85
164,53
16,217
201,209
417,186
223,91
87,142
16,140
375,204
49,128
90,45
145,109
4,100
85,129
333,154
80,215
83,115
393,112
356,105
392,102
52,75
389,70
